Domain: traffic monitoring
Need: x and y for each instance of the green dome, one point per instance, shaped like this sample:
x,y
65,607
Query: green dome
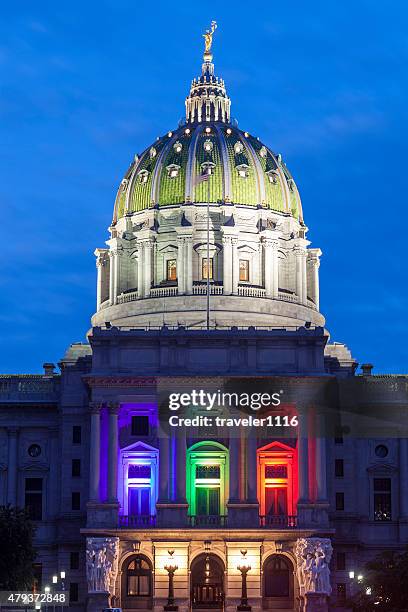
x,y
245,172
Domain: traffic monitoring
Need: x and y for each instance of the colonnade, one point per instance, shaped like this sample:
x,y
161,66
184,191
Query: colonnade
x,y
306,267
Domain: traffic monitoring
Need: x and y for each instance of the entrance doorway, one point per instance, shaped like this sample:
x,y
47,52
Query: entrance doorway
x,y
277,588
207,582
136,586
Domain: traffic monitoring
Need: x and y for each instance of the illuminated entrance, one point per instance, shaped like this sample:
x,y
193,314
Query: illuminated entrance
x,y
278,583
207,582
207,482
137,583
277,482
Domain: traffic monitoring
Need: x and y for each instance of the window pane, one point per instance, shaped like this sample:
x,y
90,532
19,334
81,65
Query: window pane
x,y
144,585
139,471
140,425
339,468
145,501
76,434
214,501
201,500
76,467
74,560
73,591
76,500
276,471
33,504
33,484
204,268
382,484
132,585
208,471
171,269
243,270
382,506
339,501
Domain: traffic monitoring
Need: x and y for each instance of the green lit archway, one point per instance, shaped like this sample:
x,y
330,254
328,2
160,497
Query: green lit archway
x,y
207,479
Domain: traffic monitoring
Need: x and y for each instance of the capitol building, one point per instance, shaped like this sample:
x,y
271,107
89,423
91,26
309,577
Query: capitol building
x,y
207,280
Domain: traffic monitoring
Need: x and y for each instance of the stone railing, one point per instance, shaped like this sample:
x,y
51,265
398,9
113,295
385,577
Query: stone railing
x,y
28,388
287,297
137,520
248,291
202,289
272,521
163,291
208,520
123,298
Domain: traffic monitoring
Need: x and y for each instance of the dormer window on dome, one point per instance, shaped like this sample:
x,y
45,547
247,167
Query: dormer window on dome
x,y
152,152
207,168
178,147
208,146
143,176
238,148
272,176
263,152
173,171
243,170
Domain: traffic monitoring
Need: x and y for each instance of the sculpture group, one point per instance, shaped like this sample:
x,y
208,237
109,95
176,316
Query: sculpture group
x,y
313,557
101,563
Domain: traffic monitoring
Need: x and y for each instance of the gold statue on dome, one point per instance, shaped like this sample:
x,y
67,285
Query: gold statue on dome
x,y
208,37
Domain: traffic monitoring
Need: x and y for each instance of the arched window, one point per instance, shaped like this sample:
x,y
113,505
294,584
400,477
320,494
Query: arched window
x,y
277,582
138,578
137,583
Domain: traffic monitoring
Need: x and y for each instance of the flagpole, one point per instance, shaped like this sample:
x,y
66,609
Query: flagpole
x,y
208,248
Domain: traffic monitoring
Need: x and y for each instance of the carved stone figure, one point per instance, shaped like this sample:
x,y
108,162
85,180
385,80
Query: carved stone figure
x,y
101,564
313,557
208,36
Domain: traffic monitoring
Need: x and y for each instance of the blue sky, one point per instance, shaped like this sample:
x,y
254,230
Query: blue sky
x,y
86,85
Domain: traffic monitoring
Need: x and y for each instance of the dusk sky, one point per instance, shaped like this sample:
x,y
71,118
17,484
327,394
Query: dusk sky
x,y
86,85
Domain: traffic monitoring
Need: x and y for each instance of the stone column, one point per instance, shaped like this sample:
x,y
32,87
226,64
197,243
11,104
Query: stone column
x,y
113,411
275,268
94,462
321,479
403,477
148,246
140,270
227,264
180,265
303,458
164,467
116,274
189,266
99,270
251,465
235,265
267,243
301,281
234,472
12,466
181,453
314,262
111,278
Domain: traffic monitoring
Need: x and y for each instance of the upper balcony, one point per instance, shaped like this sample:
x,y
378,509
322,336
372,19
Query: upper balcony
x,y
30,388
209,521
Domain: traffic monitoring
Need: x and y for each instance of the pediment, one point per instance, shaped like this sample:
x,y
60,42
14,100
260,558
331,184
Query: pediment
x,y
140,447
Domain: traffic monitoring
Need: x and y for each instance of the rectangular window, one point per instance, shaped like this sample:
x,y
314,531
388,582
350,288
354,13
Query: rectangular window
x,y
276,471
76,500
208,471
244,270
73,591
74,560
341,591
341,561
339,501
33,498
382,499
140,425
171,274
76,434
204,269
339,468
338,435
76,468
37,571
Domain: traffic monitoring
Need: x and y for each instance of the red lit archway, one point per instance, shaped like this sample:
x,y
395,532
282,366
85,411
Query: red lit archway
x,y
277,479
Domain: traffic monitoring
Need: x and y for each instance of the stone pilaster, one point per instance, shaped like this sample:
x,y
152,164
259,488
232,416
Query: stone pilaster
x,y
12,468
314,263
94,457
301,276
113,411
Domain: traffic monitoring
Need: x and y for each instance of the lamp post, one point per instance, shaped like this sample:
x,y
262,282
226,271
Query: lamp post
x,y
171,569
244,568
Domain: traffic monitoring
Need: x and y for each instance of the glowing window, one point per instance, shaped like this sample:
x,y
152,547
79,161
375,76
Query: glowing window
x,y
243,170
171,270
207,271
173,171
178,147
382,499
139,471
276,471
243,270
143,176
139,578
208,471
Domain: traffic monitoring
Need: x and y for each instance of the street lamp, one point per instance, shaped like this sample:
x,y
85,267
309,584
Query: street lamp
x,y
351,574
244,568
54,579
171,569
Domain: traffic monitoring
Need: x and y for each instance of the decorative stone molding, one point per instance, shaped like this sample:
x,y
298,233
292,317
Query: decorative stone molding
x,y
119,381
102,556
312,558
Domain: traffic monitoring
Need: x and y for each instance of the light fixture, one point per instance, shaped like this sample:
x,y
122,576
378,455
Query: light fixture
x,y
351,574
246,134
208,130
360,578
368,591
62,574
47,589
244,568
54,579
170,134
187,131
171,567
229,131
